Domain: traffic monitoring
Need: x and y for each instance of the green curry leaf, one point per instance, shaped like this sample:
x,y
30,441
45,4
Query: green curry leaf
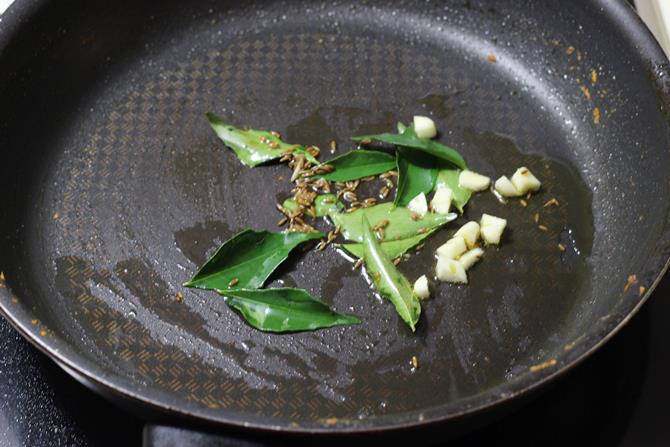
x,y
392,249
400,225
409,139
247,259
416,174
357,164
254,147
388,280
284,310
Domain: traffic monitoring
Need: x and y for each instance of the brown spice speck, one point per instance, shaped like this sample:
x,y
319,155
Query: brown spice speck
x,y
233,282
543,365
632,279
596,116
492,58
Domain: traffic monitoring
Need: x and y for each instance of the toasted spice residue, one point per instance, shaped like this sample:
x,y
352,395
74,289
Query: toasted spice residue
x,y
594,76
543,365
491,58
570,50
632,279
596,115
586,91
179,297
43,333
642,290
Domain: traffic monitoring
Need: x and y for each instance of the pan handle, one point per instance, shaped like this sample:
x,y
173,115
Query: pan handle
x,y
166,436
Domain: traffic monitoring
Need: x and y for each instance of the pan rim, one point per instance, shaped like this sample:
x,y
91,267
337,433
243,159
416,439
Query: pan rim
x,y
59,350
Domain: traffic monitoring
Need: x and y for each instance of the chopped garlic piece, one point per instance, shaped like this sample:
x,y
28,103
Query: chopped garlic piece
x,y
424,127
452,249
450,270
421,288
525,181
491,228
469,232
470,258
441,200
506,188
419,205
473,181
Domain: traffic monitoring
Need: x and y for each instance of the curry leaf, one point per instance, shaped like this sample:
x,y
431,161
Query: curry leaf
x,y
247,259
254,147
392,249
388,280
284,310
449,178
410,139
326,204
416,174
358,164
400,224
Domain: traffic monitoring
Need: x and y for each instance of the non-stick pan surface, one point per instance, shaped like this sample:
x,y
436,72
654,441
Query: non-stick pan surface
x,y
114,190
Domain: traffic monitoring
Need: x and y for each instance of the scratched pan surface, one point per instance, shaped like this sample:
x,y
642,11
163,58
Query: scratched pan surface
x,y
114,190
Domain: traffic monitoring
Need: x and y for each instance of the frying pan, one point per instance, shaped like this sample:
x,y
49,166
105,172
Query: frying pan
x,y
114,190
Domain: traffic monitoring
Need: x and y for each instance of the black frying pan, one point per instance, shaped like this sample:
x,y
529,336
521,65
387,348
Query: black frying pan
x,y
115,189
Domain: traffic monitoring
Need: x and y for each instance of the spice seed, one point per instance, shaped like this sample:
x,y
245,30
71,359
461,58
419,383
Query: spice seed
x,y
333,146
632,279
551,202
536,217
378,276
358,263
561,247
523,203
396,261
282,221
179,297
233,282
415,362
542,228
